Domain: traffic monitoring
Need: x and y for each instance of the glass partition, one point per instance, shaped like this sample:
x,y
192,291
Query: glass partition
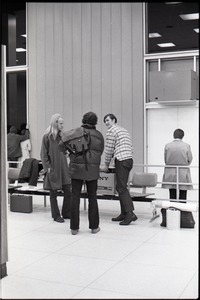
x,y
172,26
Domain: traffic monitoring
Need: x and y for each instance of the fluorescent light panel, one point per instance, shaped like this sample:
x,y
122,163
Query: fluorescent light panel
x,y
20,50
154,35
166,45
188,17
172,2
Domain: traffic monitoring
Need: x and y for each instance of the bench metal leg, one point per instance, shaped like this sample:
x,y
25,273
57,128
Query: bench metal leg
x,y
85,204
45,201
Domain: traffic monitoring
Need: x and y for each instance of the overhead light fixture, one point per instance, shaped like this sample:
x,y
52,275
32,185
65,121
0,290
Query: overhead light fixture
x,y
188,17
172,2
20,50
196,30
24,35
154,35
166,45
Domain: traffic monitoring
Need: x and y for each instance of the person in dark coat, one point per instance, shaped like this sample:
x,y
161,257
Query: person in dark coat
x,y
177,153
56,169
14,144
89,174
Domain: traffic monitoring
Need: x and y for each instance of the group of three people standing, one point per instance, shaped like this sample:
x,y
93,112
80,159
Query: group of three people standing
x,y
70,178
118,148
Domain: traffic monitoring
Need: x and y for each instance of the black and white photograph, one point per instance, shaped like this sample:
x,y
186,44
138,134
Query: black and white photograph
x,y
99,150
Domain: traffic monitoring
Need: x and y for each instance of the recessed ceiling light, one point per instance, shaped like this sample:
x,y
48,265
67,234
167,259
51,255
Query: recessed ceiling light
x,y
166,45
154,35
20,50
196,30
187,17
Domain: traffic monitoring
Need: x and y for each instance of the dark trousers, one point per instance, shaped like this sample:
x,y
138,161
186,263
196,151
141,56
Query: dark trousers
x,y
122,170
182,194
93,210
66,206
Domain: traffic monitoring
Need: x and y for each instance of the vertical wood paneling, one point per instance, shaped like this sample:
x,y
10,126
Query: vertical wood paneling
x,y
32,78
96,57
137,118
76,59
41,69
81,58
86,57
116,48
67,65
49,62
127,67
58,56
106,62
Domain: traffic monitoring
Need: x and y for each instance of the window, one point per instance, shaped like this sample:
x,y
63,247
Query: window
x,y
172,26
14,37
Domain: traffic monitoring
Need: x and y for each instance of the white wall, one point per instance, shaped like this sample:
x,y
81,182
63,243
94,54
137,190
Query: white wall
x,y
161,123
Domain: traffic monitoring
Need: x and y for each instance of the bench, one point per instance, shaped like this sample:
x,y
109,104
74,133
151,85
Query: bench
x,y
139,180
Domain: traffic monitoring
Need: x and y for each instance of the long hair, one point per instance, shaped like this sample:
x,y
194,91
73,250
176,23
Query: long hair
x,y
53,127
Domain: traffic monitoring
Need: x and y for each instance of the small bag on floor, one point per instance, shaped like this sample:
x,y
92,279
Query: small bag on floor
x,y
187,220
21,203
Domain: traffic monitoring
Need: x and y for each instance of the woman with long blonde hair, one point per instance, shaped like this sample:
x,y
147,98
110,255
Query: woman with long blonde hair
x,y
56,169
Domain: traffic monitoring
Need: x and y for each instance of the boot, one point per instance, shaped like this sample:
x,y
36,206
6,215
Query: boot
x,y
119,218
129,217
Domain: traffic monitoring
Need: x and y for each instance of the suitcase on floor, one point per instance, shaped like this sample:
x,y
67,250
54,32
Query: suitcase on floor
x,y
21,203
187,220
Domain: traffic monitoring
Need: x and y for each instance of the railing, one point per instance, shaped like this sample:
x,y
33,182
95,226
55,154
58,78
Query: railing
x,y
145,168
14,162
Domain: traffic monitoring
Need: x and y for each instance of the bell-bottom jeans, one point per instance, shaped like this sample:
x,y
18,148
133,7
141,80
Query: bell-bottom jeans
x,y
66,206
93,210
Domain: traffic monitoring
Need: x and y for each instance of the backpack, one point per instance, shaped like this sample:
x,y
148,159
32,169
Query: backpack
x,y
76,141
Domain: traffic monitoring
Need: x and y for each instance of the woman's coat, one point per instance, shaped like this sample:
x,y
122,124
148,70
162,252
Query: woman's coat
x,y
57,162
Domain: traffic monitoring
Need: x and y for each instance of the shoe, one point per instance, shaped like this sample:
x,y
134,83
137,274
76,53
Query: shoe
x,y
163,224
74,231
119,218
128,219
59,220
95,230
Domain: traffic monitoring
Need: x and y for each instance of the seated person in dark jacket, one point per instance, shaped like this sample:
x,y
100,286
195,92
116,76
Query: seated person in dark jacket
x,y
85,168
14,144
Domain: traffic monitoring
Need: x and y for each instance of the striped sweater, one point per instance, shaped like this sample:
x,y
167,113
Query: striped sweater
x,y
118,144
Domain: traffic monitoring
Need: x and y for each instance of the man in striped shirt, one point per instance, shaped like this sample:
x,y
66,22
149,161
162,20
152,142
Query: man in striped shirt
x,y
119,147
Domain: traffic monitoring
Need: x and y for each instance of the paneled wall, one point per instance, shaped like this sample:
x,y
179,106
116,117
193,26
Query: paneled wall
x,y
82,57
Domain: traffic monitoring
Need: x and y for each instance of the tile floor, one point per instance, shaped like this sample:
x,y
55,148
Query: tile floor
x,y
139,261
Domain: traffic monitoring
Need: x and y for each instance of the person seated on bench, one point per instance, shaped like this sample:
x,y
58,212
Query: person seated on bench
x,y
119,146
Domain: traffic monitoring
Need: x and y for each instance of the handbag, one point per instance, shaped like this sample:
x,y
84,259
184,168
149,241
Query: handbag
x,y
187,219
